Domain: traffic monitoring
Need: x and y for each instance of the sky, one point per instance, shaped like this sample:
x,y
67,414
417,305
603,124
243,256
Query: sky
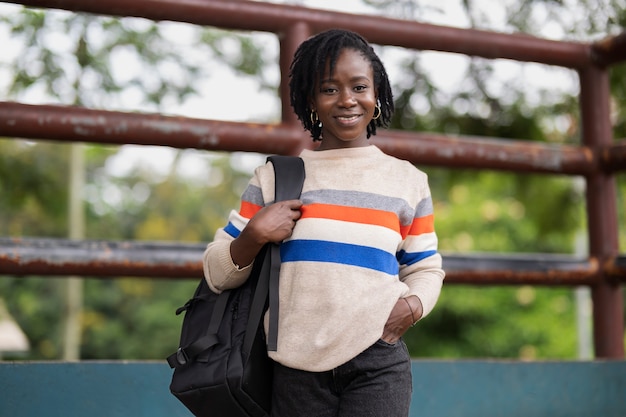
x,y
242,99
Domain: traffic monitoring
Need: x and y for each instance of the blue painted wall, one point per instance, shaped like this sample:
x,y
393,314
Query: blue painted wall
x,y
441,388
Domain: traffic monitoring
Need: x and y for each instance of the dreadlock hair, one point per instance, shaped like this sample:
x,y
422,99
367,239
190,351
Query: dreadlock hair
x,y
309,64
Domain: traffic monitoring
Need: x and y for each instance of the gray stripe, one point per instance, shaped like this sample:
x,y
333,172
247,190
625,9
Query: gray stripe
x,y
253,195
424,208
359,199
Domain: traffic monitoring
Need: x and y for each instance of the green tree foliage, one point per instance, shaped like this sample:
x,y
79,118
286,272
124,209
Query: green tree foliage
x,y
518,322
119,315
486,211
76,58
33,189
476,211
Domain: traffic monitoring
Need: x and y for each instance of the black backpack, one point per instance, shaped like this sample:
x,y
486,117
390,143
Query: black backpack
x,y
221,368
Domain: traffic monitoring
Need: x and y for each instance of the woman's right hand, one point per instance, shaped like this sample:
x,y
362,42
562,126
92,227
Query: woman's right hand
x,y
272,223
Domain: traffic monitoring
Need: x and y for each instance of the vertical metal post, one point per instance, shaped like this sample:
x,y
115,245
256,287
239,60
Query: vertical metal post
x,y
601,200
289,42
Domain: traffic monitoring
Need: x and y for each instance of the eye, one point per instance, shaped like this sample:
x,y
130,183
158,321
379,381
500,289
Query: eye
x,y
328,90
360,88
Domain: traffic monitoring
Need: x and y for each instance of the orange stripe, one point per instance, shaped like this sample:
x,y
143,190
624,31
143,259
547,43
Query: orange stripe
x,y
352,214
422,225
248,209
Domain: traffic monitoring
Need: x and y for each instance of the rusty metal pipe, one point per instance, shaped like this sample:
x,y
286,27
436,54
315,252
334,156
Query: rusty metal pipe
x,y
610,50
601,198
79,124
613,157
259,16
289,41
616,269
486,153
515,269
97,126
60,257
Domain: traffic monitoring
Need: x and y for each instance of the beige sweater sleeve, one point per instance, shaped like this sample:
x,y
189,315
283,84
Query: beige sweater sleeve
x,y
219,270
427,283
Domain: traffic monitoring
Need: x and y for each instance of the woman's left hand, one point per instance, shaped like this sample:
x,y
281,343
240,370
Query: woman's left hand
x,y
401,318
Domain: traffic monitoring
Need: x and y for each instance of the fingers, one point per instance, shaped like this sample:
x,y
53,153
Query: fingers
x,y
398,323
291,210
293,206
275,222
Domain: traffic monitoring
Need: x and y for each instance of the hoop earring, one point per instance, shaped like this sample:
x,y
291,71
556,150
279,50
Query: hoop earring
x,y
314,117
376,116
315,120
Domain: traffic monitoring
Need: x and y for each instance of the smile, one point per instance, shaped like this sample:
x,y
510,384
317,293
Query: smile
x,y
348,119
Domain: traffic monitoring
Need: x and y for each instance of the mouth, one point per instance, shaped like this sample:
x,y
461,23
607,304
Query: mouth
x,y
347,119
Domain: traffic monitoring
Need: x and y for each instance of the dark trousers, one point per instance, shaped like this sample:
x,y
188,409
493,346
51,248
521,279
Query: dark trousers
x,y
377,383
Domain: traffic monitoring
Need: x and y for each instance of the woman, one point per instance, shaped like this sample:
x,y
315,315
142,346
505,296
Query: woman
x,y
359,253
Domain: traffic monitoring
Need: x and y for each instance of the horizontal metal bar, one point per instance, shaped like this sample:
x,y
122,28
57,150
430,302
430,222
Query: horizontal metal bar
x,y
65,123
260,16
519,269
487,153
55,257
78,124
44,256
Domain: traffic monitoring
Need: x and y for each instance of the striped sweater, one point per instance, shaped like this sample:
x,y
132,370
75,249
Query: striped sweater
x,y
365,239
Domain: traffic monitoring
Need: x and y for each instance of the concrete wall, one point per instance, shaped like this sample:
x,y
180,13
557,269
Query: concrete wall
x,y
441,388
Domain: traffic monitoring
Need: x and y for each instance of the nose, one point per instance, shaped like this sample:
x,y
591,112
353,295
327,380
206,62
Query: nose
x,y
346,98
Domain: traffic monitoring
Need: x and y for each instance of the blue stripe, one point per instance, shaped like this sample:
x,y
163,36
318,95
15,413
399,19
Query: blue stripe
x,y
410,258
339,253
232,230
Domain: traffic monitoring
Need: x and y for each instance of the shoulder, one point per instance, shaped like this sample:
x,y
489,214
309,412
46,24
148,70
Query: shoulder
x,y
264,179
265,170
404,169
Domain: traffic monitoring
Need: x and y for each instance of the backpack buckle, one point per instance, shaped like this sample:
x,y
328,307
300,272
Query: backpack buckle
x,y
181,356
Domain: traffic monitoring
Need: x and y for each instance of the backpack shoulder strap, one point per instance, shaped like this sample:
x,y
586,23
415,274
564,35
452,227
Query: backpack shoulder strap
x,y
289,178
289,175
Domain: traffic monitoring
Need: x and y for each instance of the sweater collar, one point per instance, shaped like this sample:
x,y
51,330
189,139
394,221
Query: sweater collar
x,y
362,151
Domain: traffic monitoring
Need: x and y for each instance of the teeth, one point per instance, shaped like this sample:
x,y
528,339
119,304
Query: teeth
x,y
347,117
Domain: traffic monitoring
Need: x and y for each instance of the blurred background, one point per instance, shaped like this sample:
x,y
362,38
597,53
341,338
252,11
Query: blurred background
x,y
164,194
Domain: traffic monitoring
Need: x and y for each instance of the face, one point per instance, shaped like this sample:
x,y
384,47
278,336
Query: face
x,y
345,101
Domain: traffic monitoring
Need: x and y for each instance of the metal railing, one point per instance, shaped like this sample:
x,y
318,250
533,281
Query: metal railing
x,y
597,158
